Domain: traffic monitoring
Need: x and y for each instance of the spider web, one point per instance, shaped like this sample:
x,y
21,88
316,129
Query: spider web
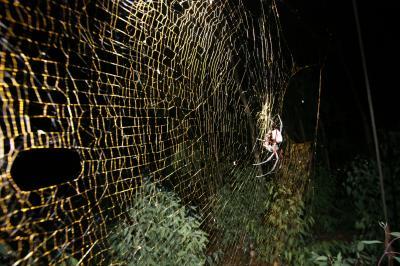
x,y
169,91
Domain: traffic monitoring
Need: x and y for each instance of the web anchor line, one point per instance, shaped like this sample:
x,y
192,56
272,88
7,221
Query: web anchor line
x,y
371,110
376,142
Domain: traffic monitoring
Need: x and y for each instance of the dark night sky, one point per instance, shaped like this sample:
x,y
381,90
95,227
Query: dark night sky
x,y
318,28
331,23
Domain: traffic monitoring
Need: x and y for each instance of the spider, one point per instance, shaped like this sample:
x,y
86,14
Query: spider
x,y
271,143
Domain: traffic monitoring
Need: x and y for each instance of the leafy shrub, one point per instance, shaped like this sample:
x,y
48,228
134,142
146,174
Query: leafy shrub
x,y
362,186
339,253
158,231
363,195
240,209
324,203
264,214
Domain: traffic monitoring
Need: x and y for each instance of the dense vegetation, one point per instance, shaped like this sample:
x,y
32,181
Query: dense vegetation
x,y
158,229
336,220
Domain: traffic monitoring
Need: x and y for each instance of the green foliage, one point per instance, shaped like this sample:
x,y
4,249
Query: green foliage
x,y
240,209
7,255
280,221
215,258
324,242
158,231
363,200
390,240
287,224
355,253
339,253
265,214
334,240
362,186
70,261
324,203
337,260
362,207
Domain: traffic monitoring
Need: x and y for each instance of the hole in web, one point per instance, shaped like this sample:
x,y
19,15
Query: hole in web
x,y
39,168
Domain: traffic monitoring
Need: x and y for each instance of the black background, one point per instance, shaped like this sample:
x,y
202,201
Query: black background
x,y
325,30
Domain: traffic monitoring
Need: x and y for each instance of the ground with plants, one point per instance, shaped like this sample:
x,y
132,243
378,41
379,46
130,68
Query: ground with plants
x,y
338,220
334,217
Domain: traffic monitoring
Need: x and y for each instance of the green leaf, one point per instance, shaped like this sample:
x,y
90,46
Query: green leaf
x,y
321,258
71,261
371,242
397,258
360,246
395,234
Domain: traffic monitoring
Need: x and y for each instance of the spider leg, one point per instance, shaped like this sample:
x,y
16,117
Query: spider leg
x,y
276,162
280,124
269,159
273,167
